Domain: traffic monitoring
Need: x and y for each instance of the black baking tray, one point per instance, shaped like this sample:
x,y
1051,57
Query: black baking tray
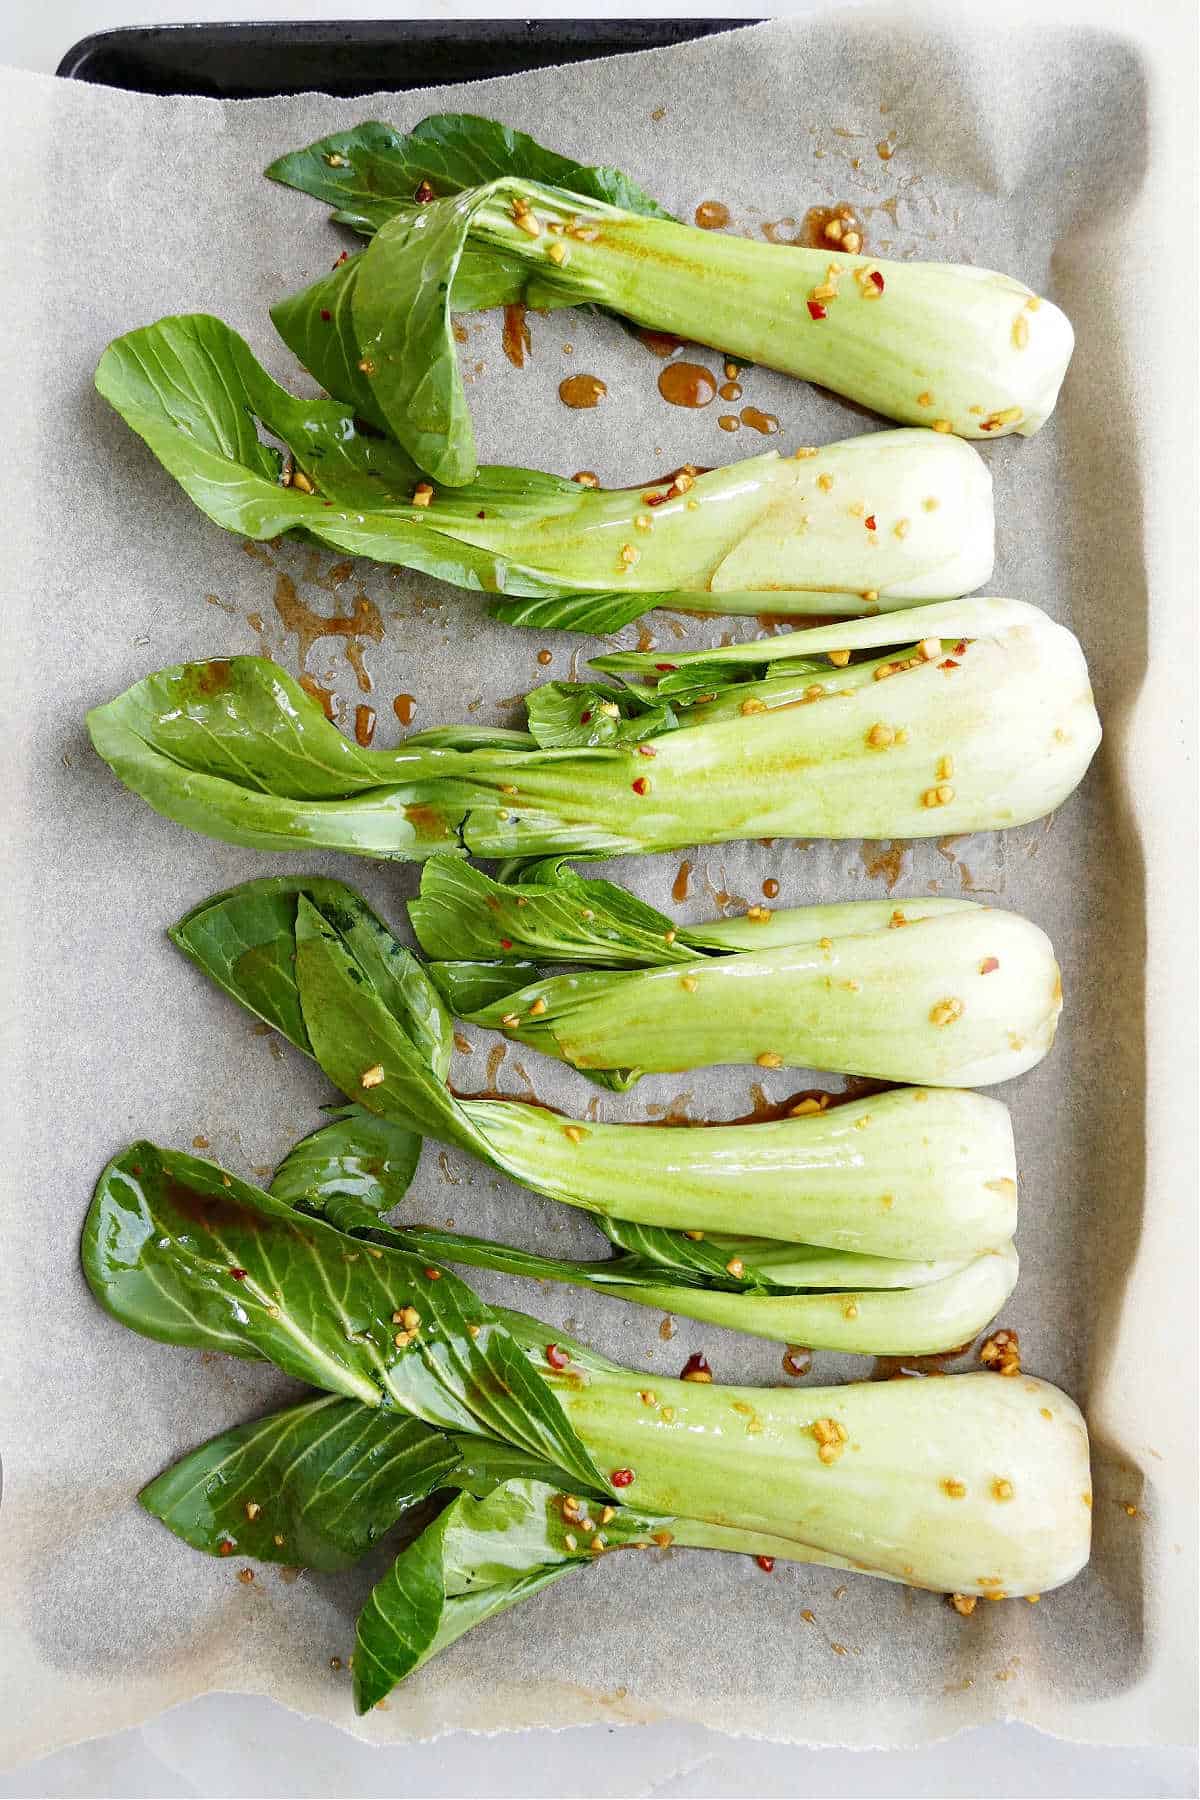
x,y
348,57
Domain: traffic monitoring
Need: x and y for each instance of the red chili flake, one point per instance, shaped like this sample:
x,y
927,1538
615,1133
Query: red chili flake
x,y
666,668
877,278
656,499
765,1563
481,514
558,1359
424,194
621,1478
584,717
226,1548
870,521
641,785
696,1364
506,943
960,649
647,750
326,315
344,257
988,424
948,664
989,965
238,1274
815,310
327,503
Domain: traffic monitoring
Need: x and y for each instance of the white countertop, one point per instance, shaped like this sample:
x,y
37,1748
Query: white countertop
x,y
233,1744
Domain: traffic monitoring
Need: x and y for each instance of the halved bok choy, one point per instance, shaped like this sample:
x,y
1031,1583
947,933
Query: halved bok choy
x,y
970,1484
882,1224
941,991
967,715
770,534
949,347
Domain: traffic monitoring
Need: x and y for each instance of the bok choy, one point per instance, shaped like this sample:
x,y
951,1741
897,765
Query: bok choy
x,y
940,991
940,345
769,534
879,1224
970,1484
977,714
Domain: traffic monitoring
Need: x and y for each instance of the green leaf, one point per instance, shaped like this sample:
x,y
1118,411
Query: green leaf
x,y
180,1250
351,1171
569,714
600,614
471,987
314,1485
477,1559
401,319
551,915
193,390
373,171
245,941
361,1042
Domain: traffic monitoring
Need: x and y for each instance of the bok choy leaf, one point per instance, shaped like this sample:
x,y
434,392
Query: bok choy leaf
x,y
986,720
969,1484
939,345
943,992
769,534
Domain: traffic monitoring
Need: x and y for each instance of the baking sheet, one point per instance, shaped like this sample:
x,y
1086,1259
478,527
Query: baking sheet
x,y
1024,151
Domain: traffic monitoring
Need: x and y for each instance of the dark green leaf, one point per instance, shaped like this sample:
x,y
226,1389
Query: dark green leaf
x,y
350,1171
181,1251
551,915
601,614
478,1558
472,987
245,941
314,1485
574,714
372,171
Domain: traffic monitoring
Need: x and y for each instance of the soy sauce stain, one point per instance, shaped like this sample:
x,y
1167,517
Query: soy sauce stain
x,y
495,1058
354,656
582,392
660,343
679,887
729,422
516,336
766,423
712,215
213,678
404,706
730,390
309,626
770,888
884,861
898,1368
687,384
364,725
322,695
646,640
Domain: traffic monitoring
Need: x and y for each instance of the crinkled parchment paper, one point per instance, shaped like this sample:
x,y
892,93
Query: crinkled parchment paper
x,y
1026,150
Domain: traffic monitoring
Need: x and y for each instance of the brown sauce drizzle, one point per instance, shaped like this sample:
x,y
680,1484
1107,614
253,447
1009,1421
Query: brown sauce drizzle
x,y
711,215
404,706
729,422
679,887
354,656
766,423
770,888
730,390
660,343
516,336
364,725
582,392
834,228
687,384
884,860
322,695
898,1368
297,616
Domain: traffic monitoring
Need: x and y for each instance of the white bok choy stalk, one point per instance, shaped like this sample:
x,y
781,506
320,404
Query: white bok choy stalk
x,y
888,1220
769,534
971,1484
967,715
940,345
941,991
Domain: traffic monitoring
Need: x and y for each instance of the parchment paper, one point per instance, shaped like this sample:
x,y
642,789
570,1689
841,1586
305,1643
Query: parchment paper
x,y
1027,151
